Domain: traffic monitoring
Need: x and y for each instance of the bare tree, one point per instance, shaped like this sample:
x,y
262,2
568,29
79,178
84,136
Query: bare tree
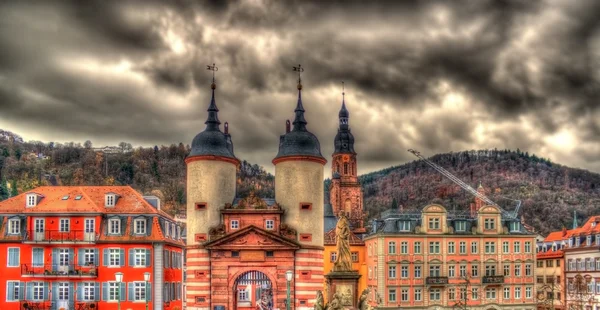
x,y
579,293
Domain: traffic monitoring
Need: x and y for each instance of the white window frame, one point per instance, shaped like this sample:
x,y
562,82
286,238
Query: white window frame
x,y
114,226
234,224
404,247
139,291
434,223
517,292
392,272
435,294
243,295
461,226
528,292
417,272
14,226
89,255
474,247
489,224
462,247
404,226
139,226
404,295
517,247
269,224
490,247
404,272
417,247
37,290
475,293
392,295
113,291
392,247
64,225
490,293
451,247
434,247
528,247
89,291
451,271
31,200
139,257
110,200
114,255
418,294
505,247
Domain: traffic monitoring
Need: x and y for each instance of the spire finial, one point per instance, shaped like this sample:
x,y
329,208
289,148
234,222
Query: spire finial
x,y
212,123
343,91
299,69
214,69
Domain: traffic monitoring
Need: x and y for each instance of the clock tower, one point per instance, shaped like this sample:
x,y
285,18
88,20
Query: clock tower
x,y
345,191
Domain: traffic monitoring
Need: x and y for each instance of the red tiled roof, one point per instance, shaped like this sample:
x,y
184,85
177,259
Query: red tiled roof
x,y
92,201
330,238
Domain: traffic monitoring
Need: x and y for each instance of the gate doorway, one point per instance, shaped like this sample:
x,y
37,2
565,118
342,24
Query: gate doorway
x,y
253,290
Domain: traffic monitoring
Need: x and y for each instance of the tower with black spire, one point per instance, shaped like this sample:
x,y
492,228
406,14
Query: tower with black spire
x,y
211,183
345,191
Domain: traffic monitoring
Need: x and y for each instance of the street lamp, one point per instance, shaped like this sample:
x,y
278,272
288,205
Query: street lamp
x,y
146,279
288,276
119,279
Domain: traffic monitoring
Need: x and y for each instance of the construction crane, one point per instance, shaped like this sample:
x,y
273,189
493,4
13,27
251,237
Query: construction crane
x,y
468,188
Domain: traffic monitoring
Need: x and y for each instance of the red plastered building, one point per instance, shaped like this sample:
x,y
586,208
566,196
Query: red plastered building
x,y
64,246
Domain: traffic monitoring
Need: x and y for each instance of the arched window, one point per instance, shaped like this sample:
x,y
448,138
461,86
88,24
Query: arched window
x,y
345,168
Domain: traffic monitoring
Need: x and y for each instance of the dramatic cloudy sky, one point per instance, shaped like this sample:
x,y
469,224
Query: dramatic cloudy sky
x,y
434,76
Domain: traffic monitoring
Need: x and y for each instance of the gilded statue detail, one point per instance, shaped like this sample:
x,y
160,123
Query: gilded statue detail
x,y
343,261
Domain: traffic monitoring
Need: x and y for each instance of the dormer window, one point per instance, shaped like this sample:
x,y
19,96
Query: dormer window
x,y
110,200
593,224
114,226
461,226
489,224
434,223
31,200
598,239
14,226
515,226
589,240
404,226
577,241
139,226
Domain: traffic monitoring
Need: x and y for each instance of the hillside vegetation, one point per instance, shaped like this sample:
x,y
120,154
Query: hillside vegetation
x,y
549,192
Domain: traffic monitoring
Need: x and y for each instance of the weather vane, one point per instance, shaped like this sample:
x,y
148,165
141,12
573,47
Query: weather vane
x,y
299,69
343,90
214,69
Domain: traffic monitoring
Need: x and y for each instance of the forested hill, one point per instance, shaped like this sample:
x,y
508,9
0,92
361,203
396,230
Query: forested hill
x,y
549,192
158,170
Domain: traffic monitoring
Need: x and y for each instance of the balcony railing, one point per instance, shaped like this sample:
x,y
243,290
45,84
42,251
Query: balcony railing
x,y
55,236
493,279
59,271
437,280
54,305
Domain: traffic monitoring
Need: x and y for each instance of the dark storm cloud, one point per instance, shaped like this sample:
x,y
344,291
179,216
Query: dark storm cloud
x,y
522,71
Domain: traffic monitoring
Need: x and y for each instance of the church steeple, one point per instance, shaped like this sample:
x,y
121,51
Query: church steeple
x,y
344,140
299,121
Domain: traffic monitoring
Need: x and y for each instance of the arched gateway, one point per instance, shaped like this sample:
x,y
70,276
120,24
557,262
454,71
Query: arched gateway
x,y
253,290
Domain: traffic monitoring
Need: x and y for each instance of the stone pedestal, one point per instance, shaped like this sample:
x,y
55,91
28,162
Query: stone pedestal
x,y
345,284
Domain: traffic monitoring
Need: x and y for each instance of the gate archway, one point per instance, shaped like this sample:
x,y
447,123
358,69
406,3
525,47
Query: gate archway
x,y
253,290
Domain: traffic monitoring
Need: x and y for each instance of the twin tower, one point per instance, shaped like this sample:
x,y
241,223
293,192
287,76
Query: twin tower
x,y
299,174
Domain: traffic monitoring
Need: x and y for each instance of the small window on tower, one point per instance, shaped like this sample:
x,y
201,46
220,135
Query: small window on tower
x,y
200,237
270,254
200,205
306,237
305,206
235,253
200,299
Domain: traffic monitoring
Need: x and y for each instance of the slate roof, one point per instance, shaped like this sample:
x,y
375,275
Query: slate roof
x,y
353,238
212,141
299,141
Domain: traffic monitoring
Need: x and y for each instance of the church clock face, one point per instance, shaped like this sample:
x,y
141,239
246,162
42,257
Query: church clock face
x,y
346,158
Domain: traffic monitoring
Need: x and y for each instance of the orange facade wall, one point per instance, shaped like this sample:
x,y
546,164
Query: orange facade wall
x,y
360,265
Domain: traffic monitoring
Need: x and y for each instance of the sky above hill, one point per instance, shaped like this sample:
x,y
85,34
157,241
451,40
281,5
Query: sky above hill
x,y
434,76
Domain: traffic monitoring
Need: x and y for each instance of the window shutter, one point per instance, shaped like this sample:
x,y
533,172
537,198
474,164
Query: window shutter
x,y
55,291
148,258
79,290
29,295
105,257
122,257
148,226
149,291
71,258
54,258
132,227
96,257
97,290
124,225
80,257
131,262
105,290
131,293
122,292
71,291
46,291
10,292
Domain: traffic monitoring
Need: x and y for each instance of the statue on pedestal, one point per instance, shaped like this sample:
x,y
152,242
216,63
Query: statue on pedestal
x,y
343,261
